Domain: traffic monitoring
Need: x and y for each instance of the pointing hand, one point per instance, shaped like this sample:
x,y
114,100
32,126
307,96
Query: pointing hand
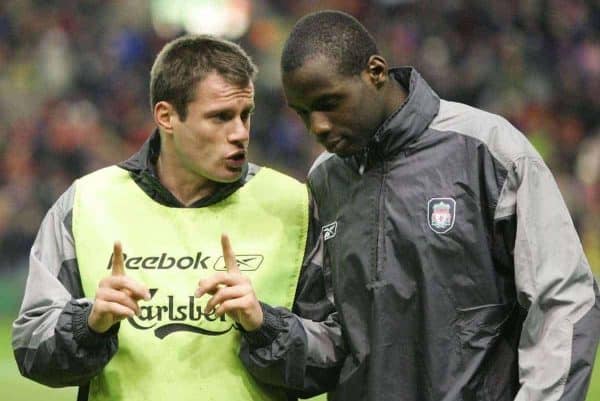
x,y
232,292
117,296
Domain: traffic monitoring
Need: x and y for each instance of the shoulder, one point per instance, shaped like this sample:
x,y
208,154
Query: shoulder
x,y
101,180
64,204
505,142
324,166
274,177
254,170
321,161
276,187
104,174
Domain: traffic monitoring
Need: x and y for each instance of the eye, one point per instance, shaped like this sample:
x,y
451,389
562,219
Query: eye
x,y
246,115
222,117
301,113
328,104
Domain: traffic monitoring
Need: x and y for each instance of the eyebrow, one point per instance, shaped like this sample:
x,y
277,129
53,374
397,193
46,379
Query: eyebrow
x,y
320,99
327,97
250,108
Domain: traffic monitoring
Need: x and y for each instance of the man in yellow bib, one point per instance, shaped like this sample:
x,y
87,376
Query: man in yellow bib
x,y
123,322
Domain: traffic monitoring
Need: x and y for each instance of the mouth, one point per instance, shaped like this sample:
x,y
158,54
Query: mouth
x,y
236,159
335,145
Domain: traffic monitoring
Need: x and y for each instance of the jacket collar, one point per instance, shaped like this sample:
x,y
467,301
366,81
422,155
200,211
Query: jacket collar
x,y
408,122
142,168
145,158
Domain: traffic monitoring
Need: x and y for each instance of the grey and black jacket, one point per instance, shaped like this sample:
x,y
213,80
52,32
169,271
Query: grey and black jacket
x,y
456,268
51,340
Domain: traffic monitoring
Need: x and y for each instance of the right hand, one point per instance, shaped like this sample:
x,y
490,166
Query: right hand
x,y
232,292
117,296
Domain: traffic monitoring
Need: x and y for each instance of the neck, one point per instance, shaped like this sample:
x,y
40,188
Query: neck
x,y
395,97
185,185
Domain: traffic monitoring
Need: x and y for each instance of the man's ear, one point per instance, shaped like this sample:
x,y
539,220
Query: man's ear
x,y
164,115
376,71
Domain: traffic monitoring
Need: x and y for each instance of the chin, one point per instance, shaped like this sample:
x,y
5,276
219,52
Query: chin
x,y
350,151
345,153
229,178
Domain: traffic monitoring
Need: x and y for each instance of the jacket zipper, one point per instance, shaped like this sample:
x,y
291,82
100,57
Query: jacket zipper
x,y
380,224
363,164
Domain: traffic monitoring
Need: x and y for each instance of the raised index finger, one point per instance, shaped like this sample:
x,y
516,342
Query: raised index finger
x,y
118,268
228,255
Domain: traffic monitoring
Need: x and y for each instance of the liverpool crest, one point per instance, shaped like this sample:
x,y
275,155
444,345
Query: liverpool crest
x,y
441,213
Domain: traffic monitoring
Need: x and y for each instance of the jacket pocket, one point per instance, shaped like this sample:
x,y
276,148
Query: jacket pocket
x,y
480,325
479,331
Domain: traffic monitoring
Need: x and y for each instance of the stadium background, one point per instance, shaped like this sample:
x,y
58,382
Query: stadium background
x,y
74,79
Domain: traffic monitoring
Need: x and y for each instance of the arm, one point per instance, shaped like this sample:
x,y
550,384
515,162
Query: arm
x,y
301,350
554,284
51,339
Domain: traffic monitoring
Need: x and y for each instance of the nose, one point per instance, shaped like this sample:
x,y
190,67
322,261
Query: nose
x,y
240,132
319,124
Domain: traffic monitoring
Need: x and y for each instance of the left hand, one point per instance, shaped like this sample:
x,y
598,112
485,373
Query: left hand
x,y
232,292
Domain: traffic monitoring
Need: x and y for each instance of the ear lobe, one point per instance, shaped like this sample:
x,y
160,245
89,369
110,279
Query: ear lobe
x,y
163,116
377,70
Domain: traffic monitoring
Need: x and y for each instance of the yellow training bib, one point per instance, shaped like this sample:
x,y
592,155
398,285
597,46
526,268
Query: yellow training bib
x,y
173,350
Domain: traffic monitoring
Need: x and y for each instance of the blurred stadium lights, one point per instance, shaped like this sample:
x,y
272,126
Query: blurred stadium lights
x,y
224,18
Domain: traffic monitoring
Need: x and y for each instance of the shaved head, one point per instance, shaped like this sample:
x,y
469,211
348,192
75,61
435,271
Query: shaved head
x,y
333,34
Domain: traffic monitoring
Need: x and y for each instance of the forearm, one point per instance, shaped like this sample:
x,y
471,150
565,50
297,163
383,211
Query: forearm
x,y
56,348
556,353
51,340
301,351
554,283
302,356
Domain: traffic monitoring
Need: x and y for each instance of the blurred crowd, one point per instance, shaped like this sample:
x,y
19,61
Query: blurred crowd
x,y
74,89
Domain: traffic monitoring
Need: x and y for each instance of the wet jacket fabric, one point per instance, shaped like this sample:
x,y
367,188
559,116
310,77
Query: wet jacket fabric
x,y
455,267
51,340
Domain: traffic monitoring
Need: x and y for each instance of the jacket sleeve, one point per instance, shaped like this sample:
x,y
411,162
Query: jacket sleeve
x,y
51,340
302,350
554,285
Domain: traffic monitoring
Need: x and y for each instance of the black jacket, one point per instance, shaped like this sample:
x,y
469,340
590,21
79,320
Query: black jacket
x,y
456,270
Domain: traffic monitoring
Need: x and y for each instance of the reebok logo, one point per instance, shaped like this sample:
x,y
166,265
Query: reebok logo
x,y
329,231
163,261
199,261
244,262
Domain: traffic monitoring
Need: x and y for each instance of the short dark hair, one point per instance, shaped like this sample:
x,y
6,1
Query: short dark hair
x,y
333,34
185,61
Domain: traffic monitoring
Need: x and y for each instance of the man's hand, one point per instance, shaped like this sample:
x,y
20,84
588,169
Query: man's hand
x,y
117,296
232,292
